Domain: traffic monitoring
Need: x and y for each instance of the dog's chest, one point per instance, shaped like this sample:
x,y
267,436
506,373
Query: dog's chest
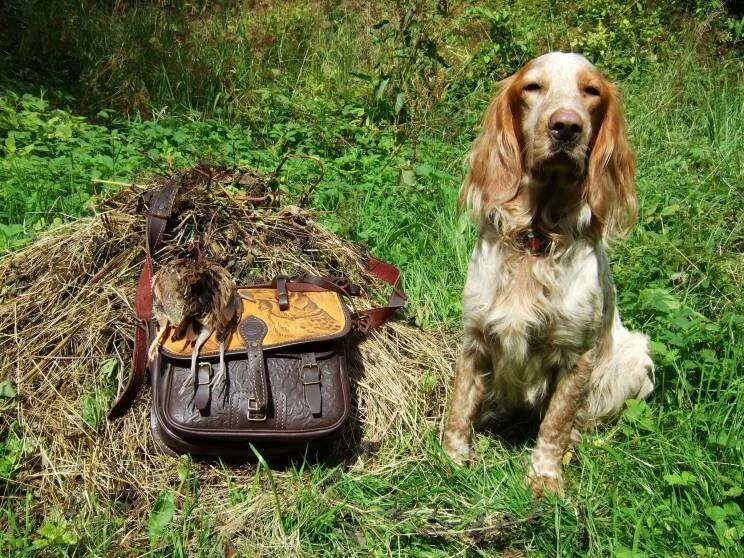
x,y
532,309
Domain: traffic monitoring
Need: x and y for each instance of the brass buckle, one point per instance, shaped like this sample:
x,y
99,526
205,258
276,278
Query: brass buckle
x,y
254,412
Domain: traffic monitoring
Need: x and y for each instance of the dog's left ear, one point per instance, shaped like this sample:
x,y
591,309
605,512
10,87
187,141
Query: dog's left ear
x,y
609,188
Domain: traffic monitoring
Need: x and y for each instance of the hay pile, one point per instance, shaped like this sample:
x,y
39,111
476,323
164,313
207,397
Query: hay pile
x,y
66,326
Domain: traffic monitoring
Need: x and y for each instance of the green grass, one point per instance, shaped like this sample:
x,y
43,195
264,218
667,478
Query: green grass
x,y
667,480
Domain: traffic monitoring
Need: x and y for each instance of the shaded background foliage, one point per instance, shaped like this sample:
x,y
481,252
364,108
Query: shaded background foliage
x,y
215,55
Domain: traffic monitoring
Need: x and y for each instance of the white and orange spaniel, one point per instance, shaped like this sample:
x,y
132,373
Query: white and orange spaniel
x,y
550,180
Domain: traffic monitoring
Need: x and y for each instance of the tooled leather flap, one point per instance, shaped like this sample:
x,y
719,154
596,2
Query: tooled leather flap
x,y
314,315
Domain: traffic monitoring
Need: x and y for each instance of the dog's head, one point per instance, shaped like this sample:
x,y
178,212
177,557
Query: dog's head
x,y
556,125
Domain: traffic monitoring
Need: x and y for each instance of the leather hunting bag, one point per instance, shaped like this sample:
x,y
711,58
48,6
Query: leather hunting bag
x,y
286,382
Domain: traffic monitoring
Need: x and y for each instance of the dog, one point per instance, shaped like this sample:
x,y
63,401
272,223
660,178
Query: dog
x,y
550,182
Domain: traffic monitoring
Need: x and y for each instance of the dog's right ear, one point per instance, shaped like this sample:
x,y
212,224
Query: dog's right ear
x,y
496,157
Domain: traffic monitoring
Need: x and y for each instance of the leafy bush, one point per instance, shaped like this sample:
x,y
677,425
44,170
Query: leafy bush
x,y
617,35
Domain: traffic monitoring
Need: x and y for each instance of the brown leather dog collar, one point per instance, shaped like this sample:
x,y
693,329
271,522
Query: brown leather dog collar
x,y
533,242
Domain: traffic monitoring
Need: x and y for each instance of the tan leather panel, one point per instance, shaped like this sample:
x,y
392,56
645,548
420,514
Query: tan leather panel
x,y
312,315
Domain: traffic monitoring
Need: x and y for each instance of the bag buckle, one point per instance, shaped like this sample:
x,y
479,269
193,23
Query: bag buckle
x,y
254,411
308,380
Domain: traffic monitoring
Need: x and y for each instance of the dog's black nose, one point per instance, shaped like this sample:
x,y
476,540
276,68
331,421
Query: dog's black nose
x,y
565,125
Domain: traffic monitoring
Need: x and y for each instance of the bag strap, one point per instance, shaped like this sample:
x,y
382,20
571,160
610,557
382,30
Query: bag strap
x,y
364,320
160,206
367,320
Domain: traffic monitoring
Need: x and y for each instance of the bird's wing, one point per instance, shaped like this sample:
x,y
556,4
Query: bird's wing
x,y
229,315
186,329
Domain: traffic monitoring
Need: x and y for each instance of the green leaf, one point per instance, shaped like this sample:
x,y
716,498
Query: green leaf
x,y
108,367
399,102
381,88
10,144
685,478
7,390
11,230
659,299
408,177
638,413
55,531
184,468
161,515
716,513
671,209
424,170
732,509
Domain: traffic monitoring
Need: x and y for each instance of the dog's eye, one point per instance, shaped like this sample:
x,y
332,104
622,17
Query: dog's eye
x,y
532,87
591,91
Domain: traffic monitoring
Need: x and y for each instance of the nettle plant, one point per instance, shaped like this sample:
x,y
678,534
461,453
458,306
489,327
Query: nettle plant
x,y
616,35
409,75
507,43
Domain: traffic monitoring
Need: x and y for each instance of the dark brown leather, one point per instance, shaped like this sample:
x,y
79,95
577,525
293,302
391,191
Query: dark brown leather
x,y
281,293
253,331
367,320
310,378
275,397
159,208
159,203
290,422
285,394
202,386
337,284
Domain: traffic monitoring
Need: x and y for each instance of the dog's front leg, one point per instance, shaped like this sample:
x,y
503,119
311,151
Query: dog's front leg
x,y
554,437
466,399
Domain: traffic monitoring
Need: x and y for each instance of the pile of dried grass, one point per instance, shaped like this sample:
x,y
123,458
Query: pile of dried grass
x,y
66,325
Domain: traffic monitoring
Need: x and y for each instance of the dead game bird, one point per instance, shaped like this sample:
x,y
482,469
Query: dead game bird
x,y
197,298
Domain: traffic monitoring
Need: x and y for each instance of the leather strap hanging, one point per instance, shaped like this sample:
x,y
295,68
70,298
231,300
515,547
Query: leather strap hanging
x,y
367,320
143,312
160,206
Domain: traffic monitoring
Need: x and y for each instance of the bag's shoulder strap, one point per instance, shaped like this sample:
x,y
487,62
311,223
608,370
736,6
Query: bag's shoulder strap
x,y
159,208
366,320
370,319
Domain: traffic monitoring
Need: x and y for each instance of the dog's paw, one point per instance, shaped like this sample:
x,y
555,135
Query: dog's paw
x,y
457,448
542,483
